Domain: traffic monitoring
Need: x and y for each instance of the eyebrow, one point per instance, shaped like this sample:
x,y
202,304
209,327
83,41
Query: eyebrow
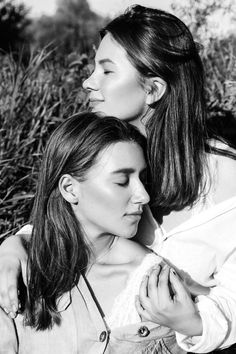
x,y
128,171
106,60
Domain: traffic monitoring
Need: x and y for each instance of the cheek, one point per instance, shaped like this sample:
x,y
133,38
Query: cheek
x,y
125,99
102,200
125,89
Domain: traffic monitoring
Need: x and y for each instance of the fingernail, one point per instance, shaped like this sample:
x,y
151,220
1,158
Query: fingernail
x,y
157,266
14,308
6,310
12,314
165,267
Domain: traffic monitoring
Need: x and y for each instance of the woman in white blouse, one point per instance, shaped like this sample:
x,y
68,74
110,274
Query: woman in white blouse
x,y
149,73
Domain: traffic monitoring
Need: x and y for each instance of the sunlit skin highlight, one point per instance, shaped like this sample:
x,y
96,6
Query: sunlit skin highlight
x,y
114,86
112,197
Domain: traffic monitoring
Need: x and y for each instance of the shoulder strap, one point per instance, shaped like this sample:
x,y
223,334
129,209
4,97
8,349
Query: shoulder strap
x,y
96,302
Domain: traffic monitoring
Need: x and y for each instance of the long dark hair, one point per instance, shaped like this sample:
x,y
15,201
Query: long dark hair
x,y
159,44
58,251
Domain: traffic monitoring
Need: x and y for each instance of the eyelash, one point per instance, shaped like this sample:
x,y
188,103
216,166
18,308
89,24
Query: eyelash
x,y
125,184
107,72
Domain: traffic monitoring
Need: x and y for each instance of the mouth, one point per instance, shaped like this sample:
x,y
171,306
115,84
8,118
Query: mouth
x,y
93,103
134,215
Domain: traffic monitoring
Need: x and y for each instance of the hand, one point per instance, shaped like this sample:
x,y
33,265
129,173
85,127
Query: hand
x,y
13,260
163,299
193,287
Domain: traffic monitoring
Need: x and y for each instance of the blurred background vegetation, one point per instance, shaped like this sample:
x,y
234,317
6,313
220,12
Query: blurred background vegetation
x,y
43,63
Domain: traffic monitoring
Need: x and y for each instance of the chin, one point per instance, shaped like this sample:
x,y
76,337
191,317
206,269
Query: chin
x,y
130,234
99,113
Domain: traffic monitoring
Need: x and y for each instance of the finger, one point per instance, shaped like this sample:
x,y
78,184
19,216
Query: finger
x,y
8,292
141,311
13,298
153,281
24,272
163,291
177,285
5,302
9,306
4,298
12,288
143,292
150,270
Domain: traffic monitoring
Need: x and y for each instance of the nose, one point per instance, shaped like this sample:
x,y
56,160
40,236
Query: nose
x,y
90,83
140,195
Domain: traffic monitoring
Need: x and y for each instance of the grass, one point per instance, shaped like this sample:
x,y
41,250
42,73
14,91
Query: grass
x,y
35,97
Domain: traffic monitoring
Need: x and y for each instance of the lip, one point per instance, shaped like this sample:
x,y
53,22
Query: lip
x,y
134,215
94,102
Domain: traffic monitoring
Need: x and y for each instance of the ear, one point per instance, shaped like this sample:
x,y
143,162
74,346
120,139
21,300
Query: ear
x,y
156,87
69,188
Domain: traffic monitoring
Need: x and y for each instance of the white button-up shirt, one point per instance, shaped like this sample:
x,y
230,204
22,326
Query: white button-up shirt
x,y
204,247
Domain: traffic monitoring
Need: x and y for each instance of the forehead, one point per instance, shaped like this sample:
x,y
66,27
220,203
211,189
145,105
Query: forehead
x,y
118,156
109,48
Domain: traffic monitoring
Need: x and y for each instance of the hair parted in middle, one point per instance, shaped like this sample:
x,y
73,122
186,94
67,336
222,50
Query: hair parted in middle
x,y
158,44
58,251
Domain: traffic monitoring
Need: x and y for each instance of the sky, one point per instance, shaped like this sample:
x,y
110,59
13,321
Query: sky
x,y
103,7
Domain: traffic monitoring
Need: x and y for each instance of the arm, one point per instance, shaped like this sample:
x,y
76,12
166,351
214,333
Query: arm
x,y
217,311
211,322
8,337
13,260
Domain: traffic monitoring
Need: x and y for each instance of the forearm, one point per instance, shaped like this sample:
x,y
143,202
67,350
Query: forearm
x,y
217,312
190,326
8,338
13,263
15,246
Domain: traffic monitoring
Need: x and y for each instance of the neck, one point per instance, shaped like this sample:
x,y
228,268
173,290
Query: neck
x,y
141,121
101,246
139,124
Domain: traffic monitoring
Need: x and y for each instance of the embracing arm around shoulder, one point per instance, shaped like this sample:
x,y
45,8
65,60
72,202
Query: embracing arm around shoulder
x,y
13,260
8,337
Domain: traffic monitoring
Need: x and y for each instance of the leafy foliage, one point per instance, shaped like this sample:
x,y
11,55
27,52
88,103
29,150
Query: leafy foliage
x,y
33,100
220,67
74,26
37,95
197,15
219,58
13,22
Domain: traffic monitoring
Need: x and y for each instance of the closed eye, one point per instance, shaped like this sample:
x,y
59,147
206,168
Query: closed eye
x,y
123,183
106,72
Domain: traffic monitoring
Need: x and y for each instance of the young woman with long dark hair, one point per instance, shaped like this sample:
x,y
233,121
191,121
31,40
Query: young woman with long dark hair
x,y
148,72
83,270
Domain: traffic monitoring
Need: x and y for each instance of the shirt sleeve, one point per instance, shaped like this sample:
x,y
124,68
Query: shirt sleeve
x,y
8,337
218,313
25,230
